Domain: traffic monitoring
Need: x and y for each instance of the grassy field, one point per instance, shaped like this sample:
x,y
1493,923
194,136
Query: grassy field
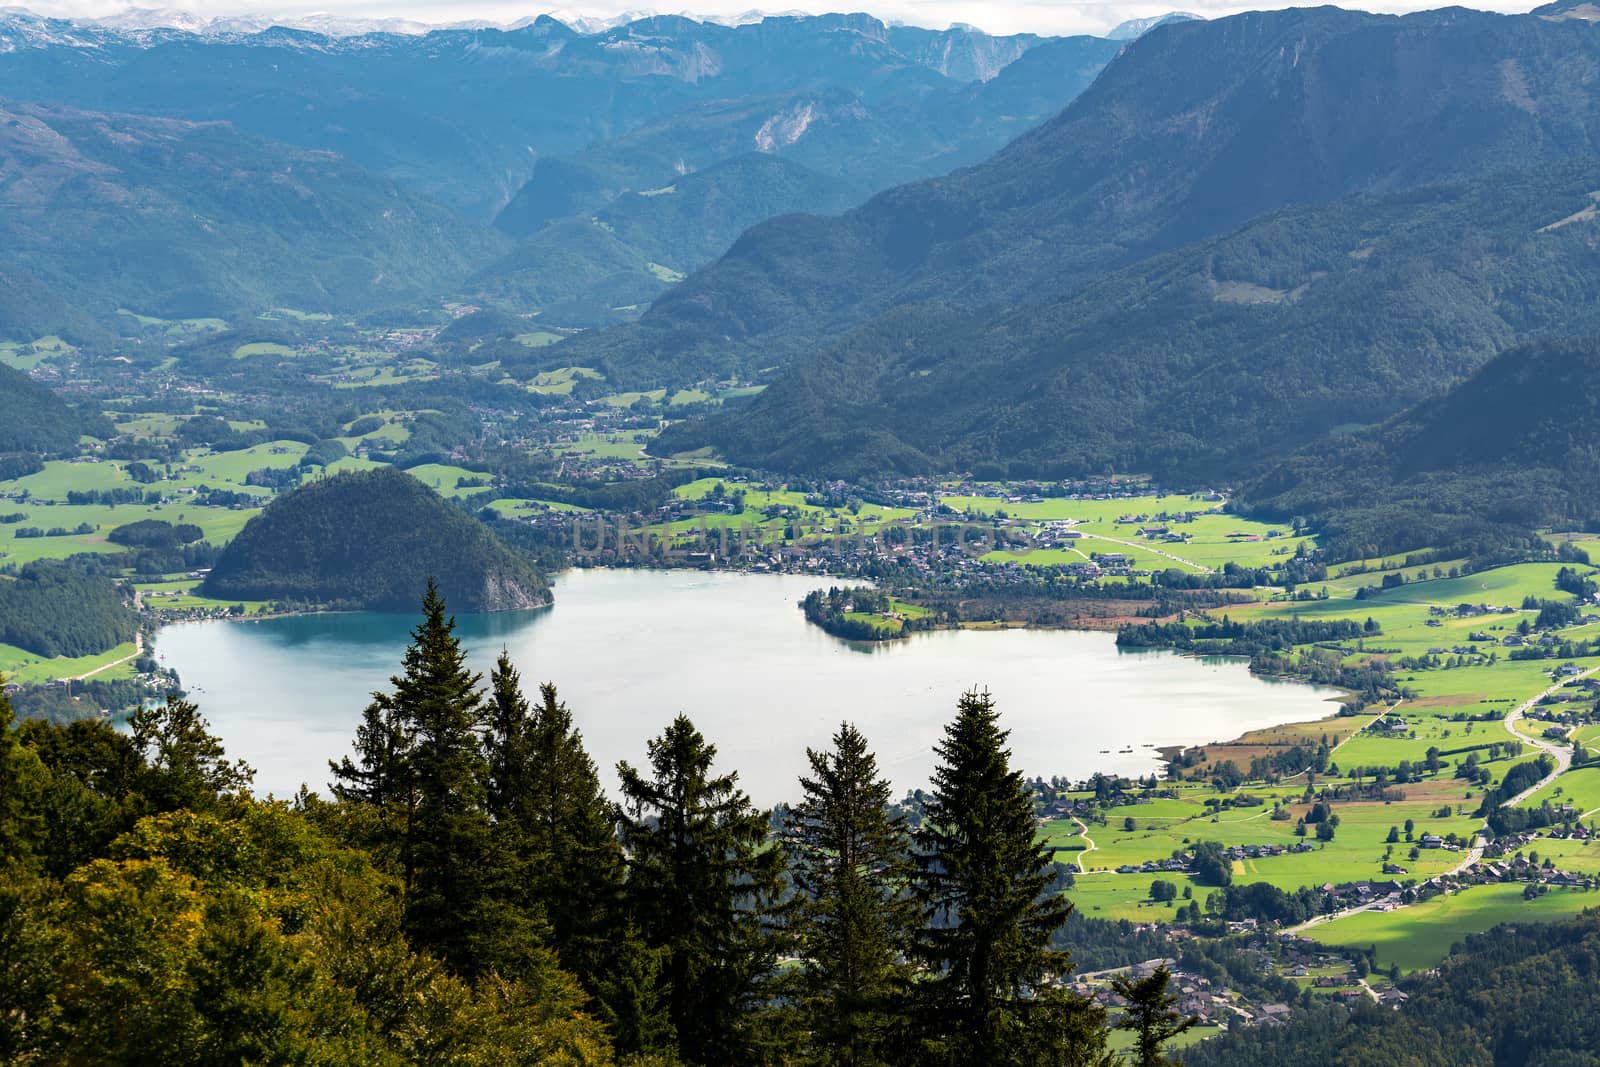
x,y
1579,787
1420,936
19,665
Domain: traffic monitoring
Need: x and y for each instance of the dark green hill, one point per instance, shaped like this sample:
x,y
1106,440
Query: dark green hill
x,y
50,611
1201,362
32,418
1192,130
371,540
178,220
1514,447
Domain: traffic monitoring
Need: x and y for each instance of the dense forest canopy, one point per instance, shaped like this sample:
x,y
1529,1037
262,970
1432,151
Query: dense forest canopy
x,y
368,540
51,610
1512,448
32,418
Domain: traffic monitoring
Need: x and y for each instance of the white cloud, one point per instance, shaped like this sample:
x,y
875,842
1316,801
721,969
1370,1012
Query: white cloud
x,y
995,16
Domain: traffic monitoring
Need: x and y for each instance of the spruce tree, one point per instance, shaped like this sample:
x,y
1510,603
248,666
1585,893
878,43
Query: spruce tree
x,y
849,860
422,761
704,889
554,824
1149,1014
981,878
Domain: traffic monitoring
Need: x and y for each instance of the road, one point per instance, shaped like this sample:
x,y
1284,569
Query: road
x,y
1561,751
1147,548
138,644
1084,833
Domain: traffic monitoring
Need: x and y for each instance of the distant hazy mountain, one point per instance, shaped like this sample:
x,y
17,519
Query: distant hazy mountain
x,y
1189,133
1133,29
103,212
465,114
837,147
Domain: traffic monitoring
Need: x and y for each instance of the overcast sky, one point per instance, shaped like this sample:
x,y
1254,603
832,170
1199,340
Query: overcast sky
x,y
995,16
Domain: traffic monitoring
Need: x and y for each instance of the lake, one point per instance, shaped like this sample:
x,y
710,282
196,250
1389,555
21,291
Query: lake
x,y
629,649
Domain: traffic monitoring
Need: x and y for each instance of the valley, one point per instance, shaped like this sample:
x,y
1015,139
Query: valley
x,y
1206,410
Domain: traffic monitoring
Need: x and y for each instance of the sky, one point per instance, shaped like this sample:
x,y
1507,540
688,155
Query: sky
x,y
994,16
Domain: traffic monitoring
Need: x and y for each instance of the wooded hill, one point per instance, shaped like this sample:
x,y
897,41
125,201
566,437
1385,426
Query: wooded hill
x,y
1516,446
370,540
32,417
50,610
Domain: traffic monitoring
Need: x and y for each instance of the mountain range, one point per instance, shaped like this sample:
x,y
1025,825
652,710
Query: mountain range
x,y
555,135
1060,305
104,215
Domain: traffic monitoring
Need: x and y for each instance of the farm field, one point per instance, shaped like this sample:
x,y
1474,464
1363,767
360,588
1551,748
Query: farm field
x,y
1420,936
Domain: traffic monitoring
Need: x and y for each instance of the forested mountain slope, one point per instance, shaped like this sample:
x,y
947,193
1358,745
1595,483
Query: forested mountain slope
x,y
32,418
180,219
1194,129
370,540
1515,446
1202,362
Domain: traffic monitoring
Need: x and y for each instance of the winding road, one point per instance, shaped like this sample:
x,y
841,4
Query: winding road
x,y
1083,831
1560,751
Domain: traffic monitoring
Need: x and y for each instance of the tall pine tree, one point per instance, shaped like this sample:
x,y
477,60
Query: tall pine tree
x,y
553,821
704,888
849,860
981,877
421,759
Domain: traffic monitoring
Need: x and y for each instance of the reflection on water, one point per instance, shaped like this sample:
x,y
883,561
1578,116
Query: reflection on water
x,y
629,649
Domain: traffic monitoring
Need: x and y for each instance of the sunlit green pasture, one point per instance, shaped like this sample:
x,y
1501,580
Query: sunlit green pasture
x,y
1420,936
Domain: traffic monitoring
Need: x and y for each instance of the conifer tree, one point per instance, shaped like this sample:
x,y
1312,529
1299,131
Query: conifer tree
x,y
981,877
554,824
849,860
704,889
1149,1014
421,758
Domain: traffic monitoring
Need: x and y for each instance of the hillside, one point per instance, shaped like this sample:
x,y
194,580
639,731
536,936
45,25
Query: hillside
x,y
1198,363
371,540
1195,128
51,611
1515,445
579,269
180,219
35,419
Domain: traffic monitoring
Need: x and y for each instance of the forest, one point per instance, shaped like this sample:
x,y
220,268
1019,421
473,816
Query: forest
x,y
51,610
367,540
469,894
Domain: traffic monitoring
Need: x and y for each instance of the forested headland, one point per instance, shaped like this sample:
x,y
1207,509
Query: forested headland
x,y
368,540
